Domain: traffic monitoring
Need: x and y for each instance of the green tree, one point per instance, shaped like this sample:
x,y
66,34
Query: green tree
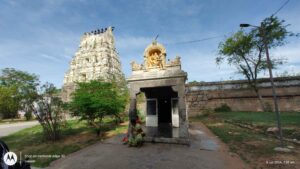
x,y
121,88
8,102
93,100
245,50
25,85
49,111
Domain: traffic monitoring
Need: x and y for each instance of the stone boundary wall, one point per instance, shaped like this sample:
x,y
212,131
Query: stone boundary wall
x,y
238,95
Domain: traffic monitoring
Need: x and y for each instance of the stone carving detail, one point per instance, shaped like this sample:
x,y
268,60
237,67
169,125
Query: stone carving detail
x,y
155,58
155,61
135,66
176,61
95,59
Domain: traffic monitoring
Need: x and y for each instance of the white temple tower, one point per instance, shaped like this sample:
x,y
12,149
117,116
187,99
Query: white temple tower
x,y
95,59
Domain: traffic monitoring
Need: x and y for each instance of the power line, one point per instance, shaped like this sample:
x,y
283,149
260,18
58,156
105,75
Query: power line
x,y
204,39
194,41
281,7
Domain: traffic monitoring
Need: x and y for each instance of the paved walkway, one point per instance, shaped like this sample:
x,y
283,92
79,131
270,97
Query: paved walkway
x,y
6,129
205,151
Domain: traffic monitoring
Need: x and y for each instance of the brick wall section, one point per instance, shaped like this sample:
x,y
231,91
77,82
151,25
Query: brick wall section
x,y
237,95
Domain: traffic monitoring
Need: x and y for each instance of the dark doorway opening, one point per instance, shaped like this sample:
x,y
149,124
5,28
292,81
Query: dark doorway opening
x,y
163,96
164,110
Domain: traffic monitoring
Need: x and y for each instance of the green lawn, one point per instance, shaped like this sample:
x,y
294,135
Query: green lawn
x,y
262,118
75,135
254,147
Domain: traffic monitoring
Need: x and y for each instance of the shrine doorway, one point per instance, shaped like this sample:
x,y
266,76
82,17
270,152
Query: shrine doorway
x,y
160,105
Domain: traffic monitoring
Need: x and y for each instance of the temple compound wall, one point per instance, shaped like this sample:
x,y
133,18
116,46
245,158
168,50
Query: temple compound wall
x,y
239,97
95,59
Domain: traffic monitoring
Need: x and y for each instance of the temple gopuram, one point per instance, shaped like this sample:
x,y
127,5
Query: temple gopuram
x,y
95,59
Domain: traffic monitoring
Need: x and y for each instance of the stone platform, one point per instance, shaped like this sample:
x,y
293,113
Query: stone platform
x,y
164,133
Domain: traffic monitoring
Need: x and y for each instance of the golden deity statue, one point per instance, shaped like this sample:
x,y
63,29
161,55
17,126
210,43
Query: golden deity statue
x,y
155,56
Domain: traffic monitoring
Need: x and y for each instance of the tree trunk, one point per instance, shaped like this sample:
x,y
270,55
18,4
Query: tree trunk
x,y
118,119
260,99
98,128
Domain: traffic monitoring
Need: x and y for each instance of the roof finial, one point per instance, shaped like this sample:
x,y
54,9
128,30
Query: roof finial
x,y
154,41
156,37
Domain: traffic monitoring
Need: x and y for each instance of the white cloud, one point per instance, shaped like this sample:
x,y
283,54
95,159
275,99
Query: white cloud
x,y
128,43
201,66
52,58
291,51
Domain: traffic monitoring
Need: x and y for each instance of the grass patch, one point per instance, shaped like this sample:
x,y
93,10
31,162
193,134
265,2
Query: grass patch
x,y
230,133
262,118
75,135
252,146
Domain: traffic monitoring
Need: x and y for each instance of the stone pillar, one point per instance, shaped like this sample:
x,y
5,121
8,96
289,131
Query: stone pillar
x,y
132,110
183,123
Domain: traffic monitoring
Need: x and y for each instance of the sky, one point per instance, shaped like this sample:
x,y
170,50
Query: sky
x,y
41,37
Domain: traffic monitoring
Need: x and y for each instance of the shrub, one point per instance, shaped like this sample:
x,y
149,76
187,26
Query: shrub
x,y
268,107
28,115
49,112
94,100
223,108
207,112
141,115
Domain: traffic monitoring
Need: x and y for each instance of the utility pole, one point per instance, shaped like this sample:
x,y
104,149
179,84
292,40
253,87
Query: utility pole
x,y
262,31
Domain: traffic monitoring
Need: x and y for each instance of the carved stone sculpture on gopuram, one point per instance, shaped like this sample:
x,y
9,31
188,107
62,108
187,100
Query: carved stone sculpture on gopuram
x,y
96,58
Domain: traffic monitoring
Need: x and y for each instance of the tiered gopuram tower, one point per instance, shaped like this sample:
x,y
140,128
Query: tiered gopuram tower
x,y
96,58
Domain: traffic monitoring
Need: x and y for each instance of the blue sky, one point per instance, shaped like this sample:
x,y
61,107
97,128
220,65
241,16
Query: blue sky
x,y
41,37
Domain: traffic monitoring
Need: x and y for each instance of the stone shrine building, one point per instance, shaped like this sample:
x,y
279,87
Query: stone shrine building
x,y
96,58
163,84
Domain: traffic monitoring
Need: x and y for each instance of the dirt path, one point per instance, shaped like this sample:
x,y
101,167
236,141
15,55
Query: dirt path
x,y
205,151
207,138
